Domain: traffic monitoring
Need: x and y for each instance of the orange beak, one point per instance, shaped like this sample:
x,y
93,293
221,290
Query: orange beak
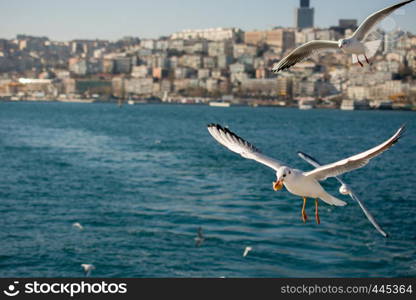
x,y
278,185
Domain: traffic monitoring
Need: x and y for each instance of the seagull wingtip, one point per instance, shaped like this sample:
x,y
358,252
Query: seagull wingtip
x,y
301,154
402,131
276,68
213,125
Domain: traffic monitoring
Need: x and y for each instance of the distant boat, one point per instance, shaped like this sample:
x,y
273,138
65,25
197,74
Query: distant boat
x,y
135,102
385,105
220,104
355,105
76,100
306,105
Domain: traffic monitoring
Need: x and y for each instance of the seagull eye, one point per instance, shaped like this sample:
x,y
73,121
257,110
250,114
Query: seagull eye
x,y
284,175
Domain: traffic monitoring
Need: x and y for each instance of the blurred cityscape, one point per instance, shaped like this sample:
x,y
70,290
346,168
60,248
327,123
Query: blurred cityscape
x,y
221,66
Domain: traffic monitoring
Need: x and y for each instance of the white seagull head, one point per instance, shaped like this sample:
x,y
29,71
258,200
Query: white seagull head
x,y
345,190
283,174
343,43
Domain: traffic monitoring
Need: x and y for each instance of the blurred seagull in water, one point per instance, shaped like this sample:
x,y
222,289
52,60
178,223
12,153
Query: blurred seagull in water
x,y
78,226
354,45
299,183
88,268
345,190
200,238
247,251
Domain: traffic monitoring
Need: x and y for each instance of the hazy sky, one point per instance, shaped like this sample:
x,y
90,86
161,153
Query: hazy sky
x,y
105,19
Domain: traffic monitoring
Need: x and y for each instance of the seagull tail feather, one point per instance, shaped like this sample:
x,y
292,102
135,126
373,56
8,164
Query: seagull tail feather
x,y
332,200
371,48
354,59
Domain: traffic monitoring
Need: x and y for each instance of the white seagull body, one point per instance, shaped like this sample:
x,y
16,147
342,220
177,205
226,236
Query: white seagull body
x,y
303,184
354,45
247,251
346,190
78,226
88,268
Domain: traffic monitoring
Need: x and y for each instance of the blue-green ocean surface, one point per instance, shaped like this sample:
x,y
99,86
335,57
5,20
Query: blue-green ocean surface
x,y
142,179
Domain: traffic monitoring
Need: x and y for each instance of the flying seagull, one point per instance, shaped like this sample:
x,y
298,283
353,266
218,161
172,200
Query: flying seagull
x,y
299,183
88,268
247,251
200,238
78,226
345,190
354,45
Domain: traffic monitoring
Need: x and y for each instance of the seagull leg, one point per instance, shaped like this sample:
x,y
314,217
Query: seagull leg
x,y
361,64
318,220
304,216
367,59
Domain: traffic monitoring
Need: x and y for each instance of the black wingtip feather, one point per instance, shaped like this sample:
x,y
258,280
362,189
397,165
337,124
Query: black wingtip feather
x,y
309,157
213,125
401,134
403,130
217,126
238,138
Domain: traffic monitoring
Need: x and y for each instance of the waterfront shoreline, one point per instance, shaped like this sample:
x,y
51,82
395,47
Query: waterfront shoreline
x,y
244,104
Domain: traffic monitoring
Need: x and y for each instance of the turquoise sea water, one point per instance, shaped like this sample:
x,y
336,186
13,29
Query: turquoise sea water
x,y
142,179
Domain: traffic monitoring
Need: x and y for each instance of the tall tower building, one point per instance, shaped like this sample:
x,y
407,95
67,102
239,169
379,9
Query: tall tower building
x,y
304,15
304,3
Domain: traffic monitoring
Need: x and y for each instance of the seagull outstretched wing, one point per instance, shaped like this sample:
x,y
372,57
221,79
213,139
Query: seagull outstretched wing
x,y
237,145
355,162
303,52
365,28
